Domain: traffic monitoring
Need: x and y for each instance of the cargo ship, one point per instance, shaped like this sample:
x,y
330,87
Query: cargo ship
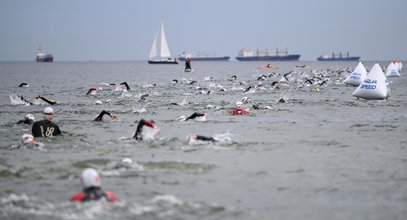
x,y
44,57
248,55
206,57
333,57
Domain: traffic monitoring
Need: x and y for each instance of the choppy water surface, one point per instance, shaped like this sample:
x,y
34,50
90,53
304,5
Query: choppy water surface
x,y
315,155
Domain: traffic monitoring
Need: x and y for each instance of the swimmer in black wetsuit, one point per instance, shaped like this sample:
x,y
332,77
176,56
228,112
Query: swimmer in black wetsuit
x,y
195,137
23,85
46,128
24,100
49,101
101,114
91,90
125,84
198,116
28,119
138,134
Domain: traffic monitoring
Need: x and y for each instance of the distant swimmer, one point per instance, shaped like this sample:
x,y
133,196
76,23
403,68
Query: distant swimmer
x,y
28,119
141,131
302,66
49,101
127,163
239,111
194,137
24,100
126,85
234,77
29,142
102,113
24,85
92,191
195,116
46,128
92,91
247,89
285,75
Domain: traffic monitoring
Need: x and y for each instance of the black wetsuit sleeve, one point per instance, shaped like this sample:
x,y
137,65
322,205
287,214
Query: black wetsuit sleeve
x,y
51,102
196,114
203,138
140,125
125,84
26,121
101,114
24,100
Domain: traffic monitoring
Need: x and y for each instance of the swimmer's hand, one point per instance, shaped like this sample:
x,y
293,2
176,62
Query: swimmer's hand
x,y
114,117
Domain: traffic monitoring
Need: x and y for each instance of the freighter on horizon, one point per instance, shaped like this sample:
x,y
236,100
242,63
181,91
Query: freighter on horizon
x,y
248,55
44,57
207,57
326,57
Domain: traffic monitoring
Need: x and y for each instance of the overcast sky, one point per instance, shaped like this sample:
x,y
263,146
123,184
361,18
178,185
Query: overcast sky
x,y
101,30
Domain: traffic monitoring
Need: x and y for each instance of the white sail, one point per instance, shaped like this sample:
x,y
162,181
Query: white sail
x,y
357,76
160,52
153,51
164,50
375,86
392,70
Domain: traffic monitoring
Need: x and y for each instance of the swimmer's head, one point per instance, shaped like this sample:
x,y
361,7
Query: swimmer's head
x,y
27,139
182,118
191,138
127,162
48,113
90,178
98,102
30,117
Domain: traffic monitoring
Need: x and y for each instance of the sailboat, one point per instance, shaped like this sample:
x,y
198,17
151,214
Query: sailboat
x,y
160,52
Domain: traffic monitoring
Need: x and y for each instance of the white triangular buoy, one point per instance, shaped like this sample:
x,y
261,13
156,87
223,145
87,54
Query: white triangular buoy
x,y
375,85
357,76
393,70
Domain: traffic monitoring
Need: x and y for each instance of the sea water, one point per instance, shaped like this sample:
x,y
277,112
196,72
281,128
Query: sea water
x,y
308,152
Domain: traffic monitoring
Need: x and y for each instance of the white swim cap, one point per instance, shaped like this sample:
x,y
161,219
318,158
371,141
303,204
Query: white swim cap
x,y
30,116
27,138
98,102
127,162
89,178
48,111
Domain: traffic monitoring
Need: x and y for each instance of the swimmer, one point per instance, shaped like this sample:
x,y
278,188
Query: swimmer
x,y
28,119
102,113
49,101
24,85
239,111
195,116
24,100
138,135
92,91
198,116
126,85
194,137
46,128
92,191
285,75
28,141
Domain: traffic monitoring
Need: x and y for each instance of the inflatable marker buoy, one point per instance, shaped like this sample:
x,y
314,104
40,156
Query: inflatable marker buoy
x,y
374,87
357,76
